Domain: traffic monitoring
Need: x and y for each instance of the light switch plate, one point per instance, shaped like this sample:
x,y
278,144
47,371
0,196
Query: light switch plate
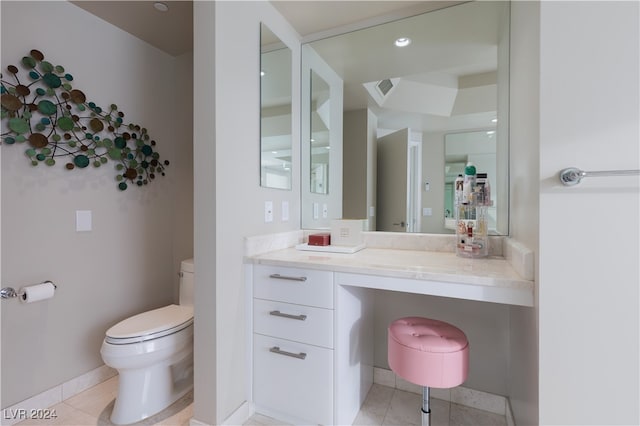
x,y
83,220
285,211
426,211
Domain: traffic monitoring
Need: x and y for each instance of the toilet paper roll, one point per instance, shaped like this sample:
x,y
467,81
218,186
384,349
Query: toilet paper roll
x,y
35,293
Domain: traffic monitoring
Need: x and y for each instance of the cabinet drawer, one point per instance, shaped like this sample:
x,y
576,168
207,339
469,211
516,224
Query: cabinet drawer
x,y
301,323
293,285
286,383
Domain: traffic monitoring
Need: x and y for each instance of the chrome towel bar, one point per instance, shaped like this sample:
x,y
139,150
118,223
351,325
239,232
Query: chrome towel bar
x,y
572,175
10,292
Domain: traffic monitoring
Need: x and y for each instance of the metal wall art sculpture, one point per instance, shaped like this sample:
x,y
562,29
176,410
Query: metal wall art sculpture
x,y
57,122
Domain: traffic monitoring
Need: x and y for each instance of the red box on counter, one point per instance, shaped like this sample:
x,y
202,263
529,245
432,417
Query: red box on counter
x,y
323,239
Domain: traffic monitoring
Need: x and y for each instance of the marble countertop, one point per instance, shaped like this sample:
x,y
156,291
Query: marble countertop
x,y
412,264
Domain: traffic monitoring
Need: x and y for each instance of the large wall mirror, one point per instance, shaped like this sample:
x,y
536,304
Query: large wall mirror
x,y
320,130
275,111
423,83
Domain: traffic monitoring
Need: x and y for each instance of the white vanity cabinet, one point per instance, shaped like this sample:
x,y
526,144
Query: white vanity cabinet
x,y
314,315
293,343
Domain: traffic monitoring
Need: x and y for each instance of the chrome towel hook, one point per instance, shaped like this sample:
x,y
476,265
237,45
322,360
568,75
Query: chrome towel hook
x,y
572,176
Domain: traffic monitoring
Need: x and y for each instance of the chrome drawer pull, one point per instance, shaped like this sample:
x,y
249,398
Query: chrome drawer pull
x,y
286,277
295,317
276,350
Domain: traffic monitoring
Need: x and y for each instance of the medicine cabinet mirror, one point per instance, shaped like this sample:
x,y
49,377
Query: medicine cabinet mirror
x,y
450,82
275,111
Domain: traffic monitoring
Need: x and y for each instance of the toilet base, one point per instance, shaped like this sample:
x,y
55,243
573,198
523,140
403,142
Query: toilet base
x,y
147,391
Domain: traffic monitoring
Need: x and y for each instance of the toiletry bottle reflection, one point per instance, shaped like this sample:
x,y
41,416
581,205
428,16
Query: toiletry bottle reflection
x,y
469,183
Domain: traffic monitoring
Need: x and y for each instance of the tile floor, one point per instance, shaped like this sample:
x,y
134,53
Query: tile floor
x,y
94,406
383,406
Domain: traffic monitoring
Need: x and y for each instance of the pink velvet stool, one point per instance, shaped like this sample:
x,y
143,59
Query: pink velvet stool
x,y
429,353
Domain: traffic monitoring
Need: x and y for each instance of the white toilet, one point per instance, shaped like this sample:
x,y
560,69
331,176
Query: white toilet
x,y
153,353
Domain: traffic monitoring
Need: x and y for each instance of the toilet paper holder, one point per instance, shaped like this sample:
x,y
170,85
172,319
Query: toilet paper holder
x,y
10,292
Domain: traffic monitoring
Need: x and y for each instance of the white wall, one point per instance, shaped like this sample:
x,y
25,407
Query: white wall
x,y
204,215
127,264
182,174
589,251
229,202
524,193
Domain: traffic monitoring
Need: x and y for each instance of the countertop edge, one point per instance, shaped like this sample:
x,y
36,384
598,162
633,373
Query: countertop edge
x,y
324,262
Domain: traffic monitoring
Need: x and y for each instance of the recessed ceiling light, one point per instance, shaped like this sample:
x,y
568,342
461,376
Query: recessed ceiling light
x,y
403,41
162,7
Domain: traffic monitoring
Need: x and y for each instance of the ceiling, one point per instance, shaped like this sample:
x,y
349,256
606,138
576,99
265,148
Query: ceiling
x,y
172,31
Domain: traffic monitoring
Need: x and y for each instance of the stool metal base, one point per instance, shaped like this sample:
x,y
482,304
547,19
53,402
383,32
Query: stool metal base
x,y
426,418
426,411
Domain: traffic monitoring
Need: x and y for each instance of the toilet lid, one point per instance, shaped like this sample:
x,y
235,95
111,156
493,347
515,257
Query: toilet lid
x,y
151,325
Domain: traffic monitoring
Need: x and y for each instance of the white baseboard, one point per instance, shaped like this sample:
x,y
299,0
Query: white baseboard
x,y
18,412
485,401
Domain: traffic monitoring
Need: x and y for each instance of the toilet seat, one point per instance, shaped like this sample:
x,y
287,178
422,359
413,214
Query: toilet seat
x,y
150,325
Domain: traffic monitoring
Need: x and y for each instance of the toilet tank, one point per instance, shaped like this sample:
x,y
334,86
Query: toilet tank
x,y
186,282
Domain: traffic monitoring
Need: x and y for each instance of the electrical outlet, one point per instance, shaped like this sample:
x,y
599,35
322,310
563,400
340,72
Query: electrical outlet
x,y
427,211
268,211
